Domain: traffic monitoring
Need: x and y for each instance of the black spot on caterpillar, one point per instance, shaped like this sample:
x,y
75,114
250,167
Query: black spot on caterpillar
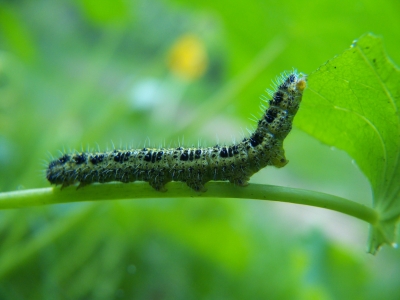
x,y
195,166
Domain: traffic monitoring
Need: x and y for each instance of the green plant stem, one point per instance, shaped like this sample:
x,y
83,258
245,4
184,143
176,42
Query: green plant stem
x,y
142,190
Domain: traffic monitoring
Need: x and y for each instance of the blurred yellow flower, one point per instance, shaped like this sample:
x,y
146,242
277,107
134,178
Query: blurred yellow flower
x,y
188,57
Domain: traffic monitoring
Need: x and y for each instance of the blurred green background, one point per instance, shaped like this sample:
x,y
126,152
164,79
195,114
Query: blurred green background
x,y
89,74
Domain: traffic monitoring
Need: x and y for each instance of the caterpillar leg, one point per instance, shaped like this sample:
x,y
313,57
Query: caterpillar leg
x,y
240,181
240,176
279,160
197,186
158,186
157,180
81,185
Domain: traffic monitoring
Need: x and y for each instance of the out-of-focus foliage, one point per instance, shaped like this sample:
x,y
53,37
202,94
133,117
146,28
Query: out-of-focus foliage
x,y
73,74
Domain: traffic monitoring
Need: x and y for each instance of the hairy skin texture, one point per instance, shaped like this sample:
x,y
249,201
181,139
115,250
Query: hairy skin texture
x,y
195,166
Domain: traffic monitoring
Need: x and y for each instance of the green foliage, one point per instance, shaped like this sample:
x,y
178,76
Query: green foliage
x,y
70,77
353,103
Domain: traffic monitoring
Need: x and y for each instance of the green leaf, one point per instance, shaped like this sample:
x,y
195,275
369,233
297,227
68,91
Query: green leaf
x,y
352,103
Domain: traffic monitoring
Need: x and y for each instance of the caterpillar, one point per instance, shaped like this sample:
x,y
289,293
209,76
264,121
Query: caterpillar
x,y
194,166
